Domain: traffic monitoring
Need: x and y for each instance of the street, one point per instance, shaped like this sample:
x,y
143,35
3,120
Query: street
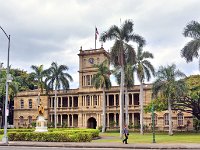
x,y
60,148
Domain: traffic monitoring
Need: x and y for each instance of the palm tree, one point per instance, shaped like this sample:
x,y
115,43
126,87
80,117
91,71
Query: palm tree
x,y
167,85
38,76
143,69
102,80
57,79
129,82
121,51
191,49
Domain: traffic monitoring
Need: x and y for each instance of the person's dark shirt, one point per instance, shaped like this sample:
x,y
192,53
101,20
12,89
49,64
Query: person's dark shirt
x,y
125,131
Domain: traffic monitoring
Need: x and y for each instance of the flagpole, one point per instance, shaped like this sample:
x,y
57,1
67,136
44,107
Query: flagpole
x,y
95,38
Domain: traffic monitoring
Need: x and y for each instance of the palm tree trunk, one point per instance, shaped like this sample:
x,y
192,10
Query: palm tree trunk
x,y
55,102
104,111
122,102
126,106
170,117
141,108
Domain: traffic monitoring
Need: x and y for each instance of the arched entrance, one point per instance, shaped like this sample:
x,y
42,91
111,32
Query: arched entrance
x,y
92,123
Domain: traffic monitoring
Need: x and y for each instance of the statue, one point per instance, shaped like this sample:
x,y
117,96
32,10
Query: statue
x,y
41,123
40,109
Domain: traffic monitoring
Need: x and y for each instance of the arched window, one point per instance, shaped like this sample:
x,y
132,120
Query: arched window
x,y
30,119
155,119
166,119
180,119
88,100
21,120
95,100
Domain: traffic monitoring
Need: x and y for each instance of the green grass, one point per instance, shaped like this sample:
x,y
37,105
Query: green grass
x,y
147,138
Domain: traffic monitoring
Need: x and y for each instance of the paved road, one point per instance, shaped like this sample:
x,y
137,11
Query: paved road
x,y
53,148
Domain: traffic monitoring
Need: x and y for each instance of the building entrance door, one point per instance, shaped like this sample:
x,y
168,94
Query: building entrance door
x,y
92,123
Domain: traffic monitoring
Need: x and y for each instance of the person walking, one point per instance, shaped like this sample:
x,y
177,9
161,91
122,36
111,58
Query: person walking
x,y
125,133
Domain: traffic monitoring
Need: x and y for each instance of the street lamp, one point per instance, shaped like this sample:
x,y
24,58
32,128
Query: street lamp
x,y
8,79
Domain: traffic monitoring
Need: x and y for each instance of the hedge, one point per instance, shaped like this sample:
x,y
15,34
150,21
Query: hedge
x,y
53,135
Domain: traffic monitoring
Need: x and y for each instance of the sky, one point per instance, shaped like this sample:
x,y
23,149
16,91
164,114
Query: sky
x,y
43,31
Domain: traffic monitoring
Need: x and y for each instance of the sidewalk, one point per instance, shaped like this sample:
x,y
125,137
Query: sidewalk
x,y
103,145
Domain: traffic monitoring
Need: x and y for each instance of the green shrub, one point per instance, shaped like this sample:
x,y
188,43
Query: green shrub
x,y
49,137
54,135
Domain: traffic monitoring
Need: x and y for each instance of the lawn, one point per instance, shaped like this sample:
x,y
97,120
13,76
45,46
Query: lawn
x,y
147,138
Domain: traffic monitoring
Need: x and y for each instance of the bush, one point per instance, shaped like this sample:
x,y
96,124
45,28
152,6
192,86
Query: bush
x,y
54,135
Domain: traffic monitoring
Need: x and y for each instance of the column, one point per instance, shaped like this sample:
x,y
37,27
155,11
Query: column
x,y
85,100
133,99
68,121
114,99
68,97
107,100
61,119
133,118
98,102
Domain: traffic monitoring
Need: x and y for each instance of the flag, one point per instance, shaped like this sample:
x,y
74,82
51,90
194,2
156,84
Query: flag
x,y
96,33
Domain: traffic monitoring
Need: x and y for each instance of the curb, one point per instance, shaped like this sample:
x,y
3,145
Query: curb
x,y
102,145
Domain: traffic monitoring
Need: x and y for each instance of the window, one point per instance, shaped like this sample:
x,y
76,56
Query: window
x,y
21,120
166,119
88,80
180,119
22,104
88,100
95,100
29,119
155,119
30,103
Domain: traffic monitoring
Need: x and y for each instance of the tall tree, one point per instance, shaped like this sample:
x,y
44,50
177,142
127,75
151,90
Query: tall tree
x,y
190,50
190,103
38,76
57,78
12,91
128,83
144,70
102,80
120,51
169,87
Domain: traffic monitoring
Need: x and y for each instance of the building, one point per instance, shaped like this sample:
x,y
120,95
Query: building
x,y
82,107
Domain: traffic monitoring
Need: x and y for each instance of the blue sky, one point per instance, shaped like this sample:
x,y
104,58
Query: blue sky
x,y
43,31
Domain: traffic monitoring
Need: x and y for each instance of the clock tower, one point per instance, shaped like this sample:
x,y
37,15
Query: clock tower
x,y
87,59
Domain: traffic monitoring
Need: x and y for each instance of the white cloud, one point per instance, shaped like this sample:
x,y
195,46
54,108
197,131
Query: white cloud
x,y
43,31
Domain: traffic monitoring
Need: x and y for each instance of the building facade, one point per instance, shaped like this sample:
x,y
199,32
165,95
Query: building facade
x,y
82,107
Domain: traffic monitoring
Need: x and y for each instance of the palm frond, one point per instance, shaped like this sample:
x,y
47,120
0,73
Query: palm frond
x,y
191,50
192,30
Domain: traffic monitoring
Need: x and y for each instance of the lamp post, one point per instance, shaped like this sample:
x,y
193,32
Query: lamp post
x,y
8,79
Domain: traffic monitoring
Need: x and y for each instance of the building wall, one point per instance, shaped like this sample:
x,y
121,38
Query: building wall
x,y
82,107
